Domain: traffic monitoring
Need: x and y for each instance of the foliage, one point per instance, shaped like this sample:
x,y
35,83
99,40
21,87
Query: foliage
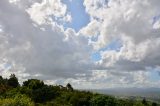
x,y
18,100
69,87
34,92
33,84
103,100
13,81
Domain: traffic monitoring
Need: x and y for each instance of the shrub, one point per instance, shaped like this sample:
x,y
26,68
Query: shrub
x,y
18,100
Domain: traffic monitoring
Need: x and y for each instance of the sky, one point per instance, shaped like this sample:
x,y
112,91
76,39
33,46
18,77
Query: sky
x,y
92,44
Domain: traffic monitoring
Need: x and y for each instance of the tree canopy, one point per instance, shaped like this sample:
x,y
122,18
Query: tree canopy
x,y
34,92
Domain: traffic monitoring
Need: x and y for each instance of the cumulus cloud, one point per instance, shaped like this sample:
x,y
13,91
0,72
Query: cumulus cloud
x,y
135,23
45,51
122,17
48,11
34,42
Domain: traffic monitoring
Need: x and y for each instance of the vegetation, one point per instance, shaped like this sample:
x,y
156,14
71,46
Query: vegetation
x,y
34,92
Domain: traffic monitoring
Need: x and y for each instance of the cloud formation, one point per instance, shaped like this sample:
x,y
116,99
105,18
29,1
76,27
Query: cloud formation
x,y
34,42
48,11
46,51
135,24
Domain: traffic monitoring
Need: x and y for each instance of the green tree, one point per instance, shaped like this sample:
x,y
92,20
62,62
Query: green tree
x,y
33,83
1,80
144,102
138,104
43,94
69,87
3,86
101,100
74,99
13,81
154,104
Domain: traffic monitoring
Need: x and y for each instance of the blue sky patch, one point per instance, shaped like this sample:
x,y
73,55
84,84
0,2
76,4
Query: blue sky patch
x,y
79,17
114,45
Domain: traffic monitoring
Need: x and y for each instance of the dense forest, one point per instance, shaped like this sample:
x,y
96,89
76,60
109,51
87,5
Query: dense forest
x,y
34,92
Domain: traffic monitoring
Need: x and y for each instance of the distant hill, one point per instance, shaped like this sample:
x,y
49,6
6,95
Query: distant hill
x,y
143,92
150,93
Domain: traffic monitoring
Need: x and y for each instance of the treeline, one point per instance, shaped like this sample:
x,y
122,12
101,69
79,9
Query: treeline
x,y
34,92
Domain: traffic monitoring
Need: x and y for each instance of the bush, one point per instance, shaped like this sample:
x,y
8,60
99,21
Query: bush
x,y
18,100
102,100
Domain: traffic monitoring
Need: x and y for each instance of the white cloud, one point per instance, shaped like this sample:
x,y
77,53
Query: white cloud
x,y
48,11
136,24
156,25
121,17
131,22
91,29
33,42
31,51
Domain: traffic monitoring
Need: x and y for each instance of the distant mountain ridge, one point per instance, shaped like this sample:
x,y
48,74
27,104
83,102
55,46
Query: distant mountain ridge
x,y
152,94
146,92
